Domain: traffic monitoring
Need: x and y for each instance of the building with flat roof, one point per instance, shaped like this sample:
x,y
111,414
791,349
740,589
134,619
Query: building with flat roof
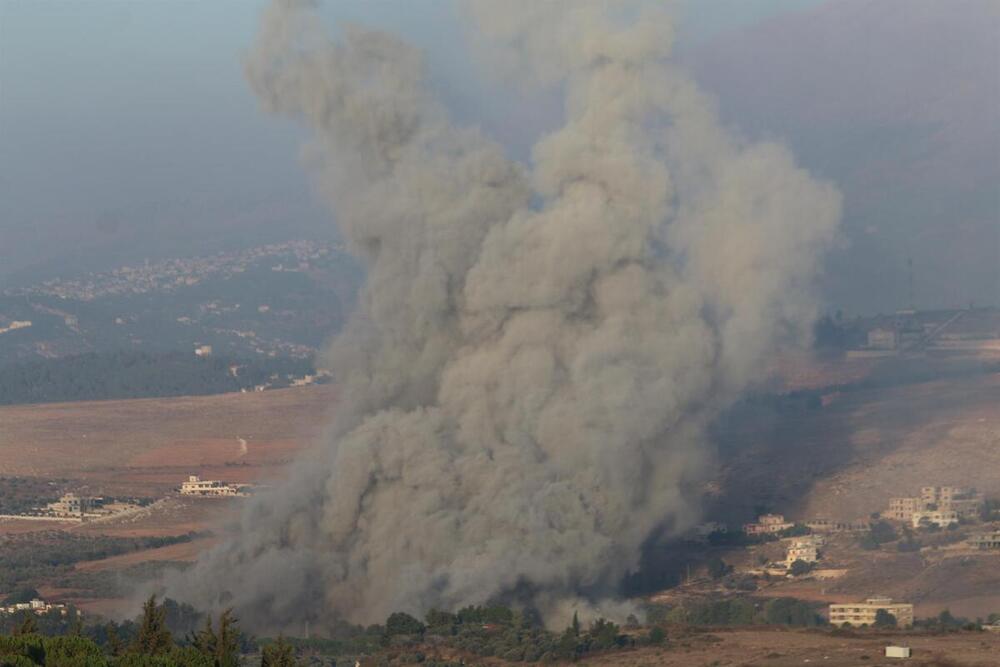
x,y
864,613
767,524
72,505
832,526
990,540
964,503
902,509
195,486
807,553
939,518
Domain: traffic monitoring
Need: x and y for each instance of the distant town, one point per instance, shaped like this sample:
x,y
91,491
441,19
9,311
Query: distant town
x,y
173,274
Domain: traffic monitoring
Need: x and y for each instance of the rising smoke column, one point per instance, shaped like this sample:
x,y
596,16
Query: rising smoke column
x,y
539,349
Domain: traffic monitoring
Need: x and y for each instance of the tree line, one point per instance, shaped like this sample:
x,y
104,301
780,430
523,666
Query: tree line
x,y
129,374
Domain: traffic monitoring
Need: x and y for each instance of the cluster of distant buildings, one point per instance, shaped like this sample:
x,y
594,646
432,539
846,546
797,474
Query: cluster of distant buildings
x,y
774,524
939,506
73,507
169,275
976,330
35,606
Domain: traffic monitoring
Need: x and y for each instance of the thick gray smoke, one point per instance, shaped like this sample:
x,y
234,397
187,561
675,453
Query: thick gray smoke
x,y
540,348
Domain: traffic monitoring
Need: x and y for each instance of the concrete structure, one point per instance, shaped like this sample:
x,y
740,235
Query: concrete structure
x,y
831,526
863,613
939,518
767,524
897,651
807,553
882,339
964,503
984,541
72,505
210,488
35,606
902,509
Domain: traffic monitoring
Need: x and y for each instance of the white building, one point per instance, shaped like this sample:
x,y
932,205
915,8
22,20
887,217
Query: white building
x,y
939,518
195,486
807,553
767,524
72,505
865,613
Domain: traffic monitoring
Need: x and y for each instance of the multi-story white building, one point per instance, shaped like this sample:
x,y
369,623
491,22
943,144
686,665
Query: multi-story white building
x,y
864,613
807,553
195,486
767,524
72,505
990,540
964,503
902,509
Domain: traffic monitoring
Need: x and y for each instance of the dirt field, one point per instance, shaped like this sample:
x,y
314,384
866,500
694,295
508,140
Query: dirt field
x,y
842,461
148,446
768,647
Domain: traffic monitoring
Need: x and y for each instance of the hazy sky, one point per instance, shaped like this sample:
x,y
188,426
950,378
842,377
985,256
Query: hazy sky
x,y
133,120
127,129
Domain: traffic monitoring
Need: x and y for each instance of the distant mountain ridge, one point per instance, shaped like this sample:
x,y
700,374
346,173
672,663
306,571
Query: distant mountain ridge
x,y
280,300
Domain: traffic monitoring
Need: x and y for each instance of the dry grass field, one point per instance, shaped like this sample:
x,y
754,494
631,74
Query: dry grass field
x,y
843,460
148,446
769,647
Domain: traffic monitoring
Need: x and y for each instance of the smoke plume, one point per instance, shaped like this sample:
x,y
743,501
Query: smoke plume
x,y
539,348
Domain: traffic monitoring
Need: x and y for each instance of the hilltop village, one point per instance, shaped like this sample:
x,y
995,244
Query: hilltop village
x,y
814,557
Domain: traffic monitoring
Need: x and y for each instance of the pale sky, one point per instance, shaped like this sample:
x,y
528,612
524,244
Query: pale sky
x,y
123,117
127,129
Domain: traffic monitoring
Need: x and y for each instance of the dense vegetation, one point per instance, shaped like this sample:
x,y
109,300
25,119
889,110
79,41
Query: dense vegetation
x,y
117,375
21,494
169,634
33,558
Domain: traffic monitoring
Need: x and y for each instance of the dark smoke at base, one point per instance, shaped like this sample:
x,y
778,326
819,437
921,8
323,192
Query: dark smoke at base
x,y
539,348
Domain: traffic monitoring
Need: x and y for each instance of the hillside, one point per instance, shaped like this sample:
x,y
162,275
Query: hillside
x,y
283,299
840,460
845,459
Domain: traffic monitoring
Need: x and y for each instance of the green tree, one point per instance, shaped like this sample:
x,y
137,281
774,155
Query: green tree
x,y
576,624
799,567
227,648
76,626
400,623
657,635
153,637
882,532
278,654
205,640
222,647
883,619
114,642
28,626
